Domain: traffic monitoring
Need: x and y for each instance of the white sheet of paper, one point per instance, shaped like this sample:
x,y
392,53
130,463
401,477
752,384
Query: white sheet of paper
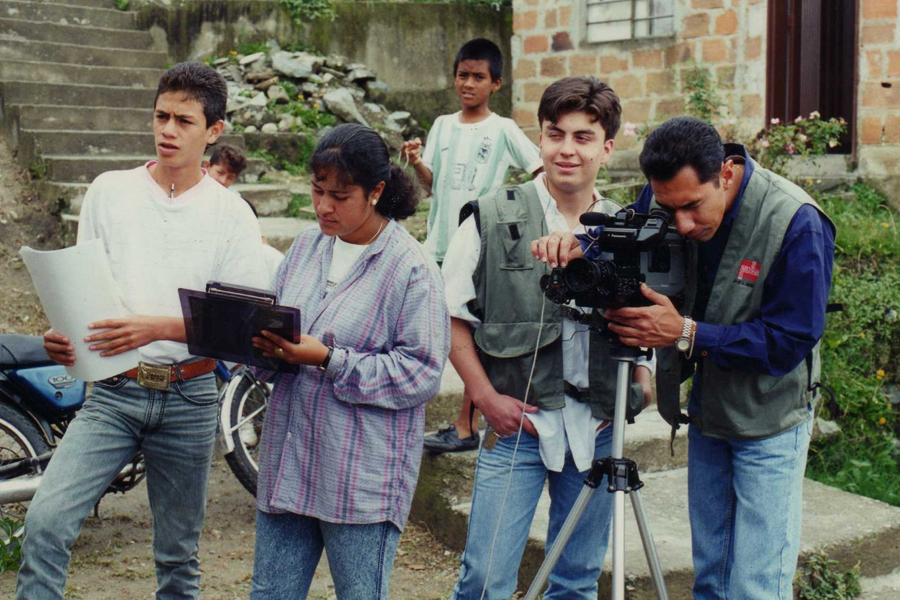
x,y
76,289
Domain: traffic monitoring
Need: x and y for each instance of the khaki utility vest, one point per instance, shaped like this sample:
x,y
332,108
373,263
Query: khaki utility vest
x,y
509,303
735,403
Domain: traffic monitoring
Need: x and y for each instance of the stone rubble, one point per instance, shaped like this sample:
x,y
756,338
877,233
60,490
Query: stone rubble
x,y
265,88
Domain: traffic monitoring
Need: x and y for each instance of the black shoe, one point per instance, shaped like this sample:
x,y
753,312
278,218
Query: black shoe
x,y
446,440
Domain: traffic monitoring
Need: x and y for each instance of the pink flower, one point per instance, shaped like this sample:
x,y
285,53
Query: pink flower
x,y
790,148
629,129
765,143
775,121
798,119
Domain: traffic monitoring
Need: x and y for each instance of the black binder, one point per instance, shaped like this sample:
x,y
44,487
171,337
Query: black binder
x,y
220,322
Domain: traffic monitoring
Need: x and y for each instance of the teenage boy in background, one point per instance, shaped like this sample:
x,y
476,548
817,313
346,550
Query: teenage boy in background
x,y
164,225
466,155
493,341
226,163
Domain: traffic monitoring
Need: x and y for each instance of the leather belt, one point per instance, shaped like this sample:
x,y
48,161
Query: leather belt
x,y
574,392
159,377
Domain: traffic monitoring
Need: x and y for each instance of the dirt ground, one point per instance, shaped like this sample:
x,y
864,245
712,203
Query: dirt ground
x,y
112,560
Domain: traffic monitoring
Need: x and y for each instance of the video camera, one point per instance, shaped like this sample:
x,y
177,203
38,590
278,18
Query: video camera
x,y
635,248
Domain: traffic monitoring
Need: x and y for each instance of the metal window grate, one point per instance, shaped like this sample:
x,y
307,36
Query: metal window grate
x,y
614,20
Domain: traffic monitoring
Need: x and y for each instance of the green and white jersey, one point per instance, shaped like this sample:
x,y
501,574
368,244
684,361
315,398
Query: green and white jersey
x,y
468,160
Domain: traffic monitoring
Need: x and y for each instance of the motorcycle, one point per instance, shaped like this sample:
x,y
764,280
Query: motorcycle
x,y
38,400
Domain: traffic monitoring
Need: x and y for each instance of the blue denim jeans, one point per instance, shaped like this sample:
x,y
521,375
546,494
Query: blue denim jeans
x,y
176,431
745,501
289,546
497,561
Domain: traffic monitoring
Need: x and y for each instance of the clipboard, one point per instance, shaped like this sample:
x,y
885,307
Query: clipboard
x,y
220,322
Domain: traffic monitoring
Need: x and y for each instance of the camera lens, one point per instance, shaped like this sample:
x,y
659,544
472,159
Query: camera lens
x,y
583,276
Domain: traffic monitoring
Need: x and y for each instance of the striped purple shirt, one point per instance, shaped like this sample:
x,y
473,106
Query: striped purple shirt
x,y
344,445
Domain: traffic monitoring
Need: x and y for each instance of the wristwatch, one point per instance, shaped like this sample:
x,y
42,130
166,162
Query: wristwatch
x,y
324,365
686,340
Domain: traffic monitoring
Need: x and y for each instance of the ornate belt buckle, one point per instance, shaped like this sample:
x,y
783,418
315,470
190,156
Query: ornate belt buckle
x,y
154,377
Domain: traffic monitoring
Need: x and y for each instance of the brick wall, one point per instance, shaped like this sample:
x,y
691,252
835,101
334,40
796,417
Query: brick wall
x,y
728,36
879,73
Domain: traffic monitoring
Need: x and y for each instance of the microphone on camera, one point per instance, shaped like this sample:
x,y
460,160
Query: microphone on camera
x,y
594,219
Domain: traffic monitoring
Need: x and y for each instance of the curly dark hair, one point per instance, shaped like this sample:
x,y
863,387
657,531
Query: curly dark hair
x,y
232,157
683,142
199,82
358,156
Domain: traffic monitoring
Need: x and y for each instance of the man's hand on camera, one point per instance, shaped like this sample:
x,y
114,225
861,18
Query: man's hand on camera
x,y
654,326
504,413
558,248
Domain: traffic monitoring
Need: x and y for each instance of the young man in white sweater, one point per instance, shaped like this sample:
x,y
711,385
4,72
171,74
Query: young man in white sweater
x,y
164,225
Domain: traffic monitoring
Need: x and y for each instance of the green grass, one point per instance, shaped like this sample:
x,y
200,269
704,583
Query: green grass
x,y
861,350
297,204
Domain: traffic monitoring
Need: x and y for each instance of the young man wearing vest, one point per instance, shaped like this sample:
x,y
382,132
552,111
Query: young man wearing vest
x,y
761,260
572,392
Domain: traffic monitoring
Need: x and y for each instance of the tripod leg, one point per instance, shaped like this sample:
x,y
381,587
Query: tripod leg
x,y
656,573
543,574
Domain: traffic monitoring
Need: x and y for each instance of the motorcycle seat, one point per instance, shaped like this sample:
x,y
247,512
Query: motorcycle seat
x,y
22,351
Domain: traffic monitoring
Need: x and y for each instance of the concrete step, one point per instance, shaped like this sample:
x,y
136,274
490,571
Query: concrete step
x,y
80,35
885,587
67,14
841,525
76,94
81,169
268,199
88,143
67,198
281,231
51,117
28,50
16,70
109,4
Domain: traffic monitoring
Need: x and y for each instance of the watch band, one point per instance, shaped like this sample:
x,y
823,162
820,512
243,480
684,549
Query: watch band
x,y
685,342
324,364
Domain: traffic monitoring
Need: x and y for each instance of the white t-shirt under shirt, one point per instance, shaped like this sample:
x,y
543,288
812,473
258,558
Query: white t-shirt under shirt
x,y
343,255
467,161
156,244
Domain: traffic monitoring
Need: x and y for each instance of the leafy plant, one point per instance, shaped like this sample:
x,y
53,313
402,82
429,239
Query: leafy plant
x,y
861,349
10,544
297,204
805,137
121,4
819,579
39,169
701,98
303,11
247,48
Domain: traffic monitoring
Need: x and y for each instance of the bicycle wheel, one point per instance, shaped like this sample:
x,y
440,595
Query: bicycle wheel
x,y
248,411
19,438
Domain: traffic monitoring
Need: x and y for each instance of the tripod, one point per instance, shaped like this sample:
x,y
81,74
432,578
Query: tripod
x,y
622,477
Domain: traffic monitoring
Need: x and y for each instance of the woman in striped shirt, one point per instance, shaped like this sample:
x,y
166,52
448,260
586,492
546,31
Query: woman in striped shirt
x,y
342,441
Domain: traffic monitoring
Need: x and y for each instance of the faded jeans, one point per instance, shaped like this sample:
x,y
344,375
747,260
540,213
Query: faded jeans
x,y
745,499
289,546
176,432
575,574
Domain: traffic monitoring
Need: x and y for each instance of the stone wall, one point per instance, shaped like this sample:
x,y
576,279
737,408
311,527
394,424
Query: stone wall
x,y
726,35
411,46
879,94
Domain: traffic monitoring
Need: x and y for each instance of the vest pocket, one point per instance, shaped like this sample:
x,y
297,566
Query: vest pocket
x,y
516,249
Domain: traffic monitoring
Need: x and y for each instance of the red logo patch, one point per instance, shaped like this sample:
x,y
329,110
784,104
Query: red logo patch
x,y
748,272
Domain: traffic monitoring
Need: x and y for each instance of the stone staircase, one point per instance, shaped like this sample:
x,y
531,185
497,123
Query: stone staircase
x,y
77,83
848,528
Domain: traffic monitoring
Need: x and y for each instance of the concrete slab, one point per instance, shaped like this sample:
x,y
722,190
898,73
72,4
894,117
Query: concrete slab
x,y
71,94
70,14
838,524
24,70
15,48
98,37
886,587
